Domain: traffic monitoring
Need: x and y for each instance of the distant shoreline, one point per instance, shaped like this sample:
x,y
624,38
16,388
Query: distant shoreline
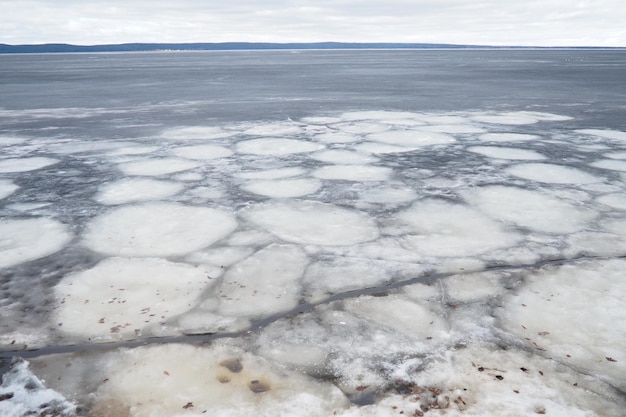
x,y
254,46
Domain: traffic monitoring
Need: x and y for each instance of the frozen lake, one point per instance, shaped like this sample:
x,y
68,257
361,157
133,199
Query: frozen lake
x,y
313,233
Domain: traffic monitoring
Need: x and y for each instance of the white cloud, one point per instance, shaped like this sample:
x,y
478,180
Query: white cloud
x,y
545,22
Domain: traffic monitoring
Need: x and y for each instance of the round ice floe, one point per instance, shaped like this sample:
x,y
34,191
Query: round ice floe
x,y
336,138
162,166
284,188
265,283
270,174
615,200
203,152
507,137
380,148
574,313
444,229
506,153
343,157
411,138
25,164
7,188
310,222
510,118
277,146
196,132
121,297
157,229
552,174
29,239
612,164
136,189
165,381
527,208
604,133
353,173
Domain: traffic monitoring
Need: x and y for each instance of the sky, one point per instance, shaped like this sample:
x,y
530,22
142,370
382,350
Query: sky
x,y
477,22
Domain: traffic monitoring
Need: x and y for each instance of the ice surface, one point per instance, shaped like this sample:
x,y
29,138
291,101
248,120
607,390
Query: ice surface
x,y
411,138
414,273
453,128
616,155
202,152
553,174
507,137
28,239
532,209
270,174
614,200
311,222
232,383
136,189
267,282
162,166
23,394
284,188
157,229
552,312
440,228
343,157
134,150
388,195
7,188
353,173
336,138
610,164
604,133
274,129
122,298
617,226
11,140
361,128
276,146
506,153
380,148
25,164
196,132
510,118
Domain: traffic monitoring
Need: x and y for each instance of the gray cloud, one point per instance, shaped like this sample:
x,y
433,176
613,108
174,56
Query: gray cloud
x,y
531,22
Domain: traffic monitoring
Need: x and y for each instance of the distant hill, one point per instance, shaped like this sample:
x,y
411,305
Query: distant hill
x,y
231,46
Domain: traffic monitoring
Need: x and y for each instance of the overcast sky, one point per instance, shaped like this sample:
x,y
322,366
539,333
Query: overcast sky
x,y
492,22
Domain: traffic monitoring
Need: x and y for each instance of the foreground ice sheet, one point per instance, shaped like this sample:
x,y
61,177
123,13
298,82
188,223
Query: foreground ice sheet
x,y
364,263
28,239
121,298
157,229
